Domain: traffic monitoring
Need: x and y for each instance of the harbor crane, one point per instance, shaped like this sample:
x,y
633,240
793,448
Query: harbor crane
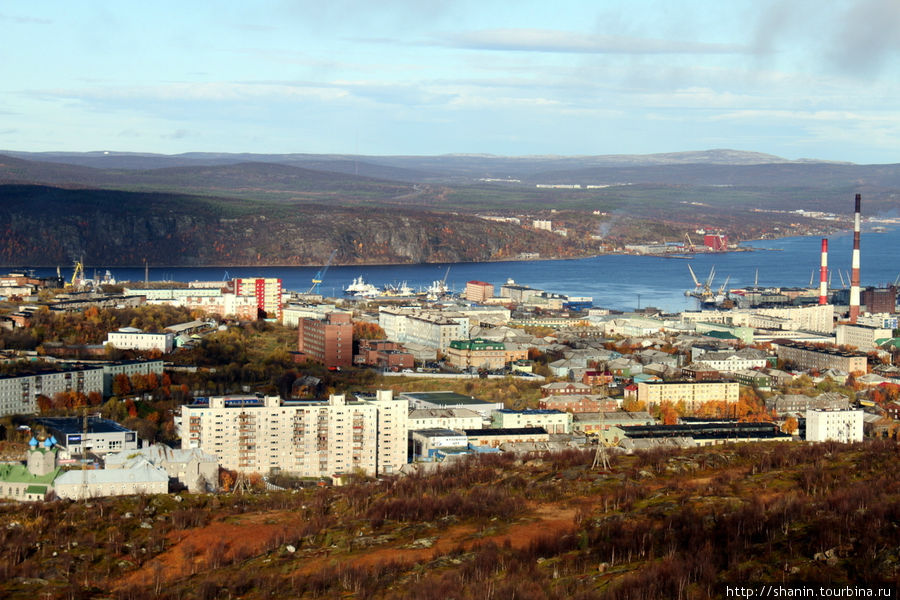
x,y
321,274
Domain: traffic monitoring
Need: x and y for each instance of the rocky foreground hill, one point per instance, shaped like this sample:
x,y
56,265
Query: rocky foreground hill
x,y
664,524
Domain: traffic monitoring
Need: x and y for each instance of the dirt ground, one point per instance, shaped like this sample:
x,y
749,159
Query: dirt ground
x,y
202,548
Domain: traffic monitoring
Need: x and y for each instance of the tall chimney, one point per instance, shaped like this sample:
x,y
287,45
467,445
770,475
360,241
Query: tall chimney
x,y
823,274
854,276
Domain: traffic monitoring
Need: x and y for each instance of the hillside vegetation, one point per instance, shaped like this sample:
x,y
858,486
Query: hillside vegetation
x,y
661,524
46,226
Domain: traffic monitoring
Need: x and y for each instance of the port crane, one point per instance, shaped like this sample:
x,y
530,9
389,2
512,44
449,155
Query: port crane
x,y
321,274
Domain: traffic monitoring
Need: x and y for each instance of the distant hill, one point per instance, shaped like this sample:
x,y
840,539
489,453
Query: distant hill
x,y
47,226
436,169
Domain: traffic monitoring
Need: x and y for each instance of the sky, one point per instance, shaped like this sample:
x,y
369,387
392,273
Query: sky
x,y
794,78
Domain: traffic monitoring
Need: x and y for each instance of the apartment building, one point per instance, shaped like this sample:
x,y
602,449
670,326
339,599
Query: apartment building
x,y
18,393
478,291
308,439
821,358
328,341
692,393
861,336
834,425
434,329
266,290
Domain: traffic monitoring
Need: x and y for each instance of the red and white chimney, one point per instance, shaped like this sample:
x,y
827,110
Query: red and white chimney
x,y
823,274
854,275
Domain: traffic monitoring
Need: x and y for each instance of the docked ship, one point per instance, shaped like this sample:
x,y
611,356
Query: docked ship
x,y
360,289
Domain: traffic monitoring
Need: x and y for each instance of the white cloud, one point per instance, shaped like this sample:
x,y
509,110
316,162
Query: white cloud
x,y
549,40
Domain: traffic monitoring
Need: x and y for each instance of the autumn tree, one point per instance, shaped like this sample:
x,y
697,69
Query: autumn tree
x,y
365,330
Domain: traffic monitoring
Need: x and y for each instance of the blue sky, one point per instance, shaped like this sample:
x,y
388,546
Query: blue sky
x,y
796,78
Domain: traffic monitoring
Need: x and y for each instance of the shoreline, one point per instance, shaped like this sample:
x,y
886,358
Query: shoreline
x,y
680,255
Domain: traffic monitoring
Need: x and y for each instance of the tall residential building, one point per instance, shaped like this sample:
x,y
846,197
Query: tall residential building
x,y
267,291
308,439
328,341
479,291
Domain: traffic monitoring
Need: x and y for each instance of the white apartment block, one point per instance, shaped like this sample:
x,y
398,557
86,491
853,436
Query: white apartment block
x,y
444,418
292,313
730,362
817,317
861,336
434,329
18,393
834,425
132,338
554,421
158,294
693,394
308,439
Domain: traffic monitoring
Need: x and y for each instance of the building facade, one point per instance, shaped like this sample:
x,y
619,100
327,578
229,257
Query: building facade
x,y
132,338
308,439
691,393
18,393
478,291
860,336
553,421
328,341
266,290
834,425
807,356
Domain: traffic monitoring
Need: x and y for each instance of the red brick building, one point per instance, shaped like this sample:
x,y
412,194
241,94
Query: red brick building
x,y
593,378
328,341
578,403
384,354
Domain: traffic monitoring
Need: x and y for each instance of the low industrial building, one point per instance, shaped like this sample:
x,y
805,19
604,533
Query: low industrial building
x,y
444,418
197,470
102,435
710,433
436,443
141,478
494,438
553,421
384,355
419,400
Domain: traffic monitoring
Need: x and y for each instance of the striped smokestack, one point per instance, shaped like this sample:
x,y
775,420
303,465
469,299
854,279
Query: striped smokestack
x,y
823,274
854,275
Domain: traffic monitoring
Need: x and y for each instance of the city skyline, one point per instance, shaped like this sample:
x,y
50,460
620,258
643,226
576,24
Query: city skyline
x,y
790,79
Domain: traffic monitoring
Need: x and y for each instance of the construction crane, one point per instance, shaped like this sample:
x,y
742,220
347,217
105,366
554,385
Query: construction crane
x,y
690,247
321,274
77,274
